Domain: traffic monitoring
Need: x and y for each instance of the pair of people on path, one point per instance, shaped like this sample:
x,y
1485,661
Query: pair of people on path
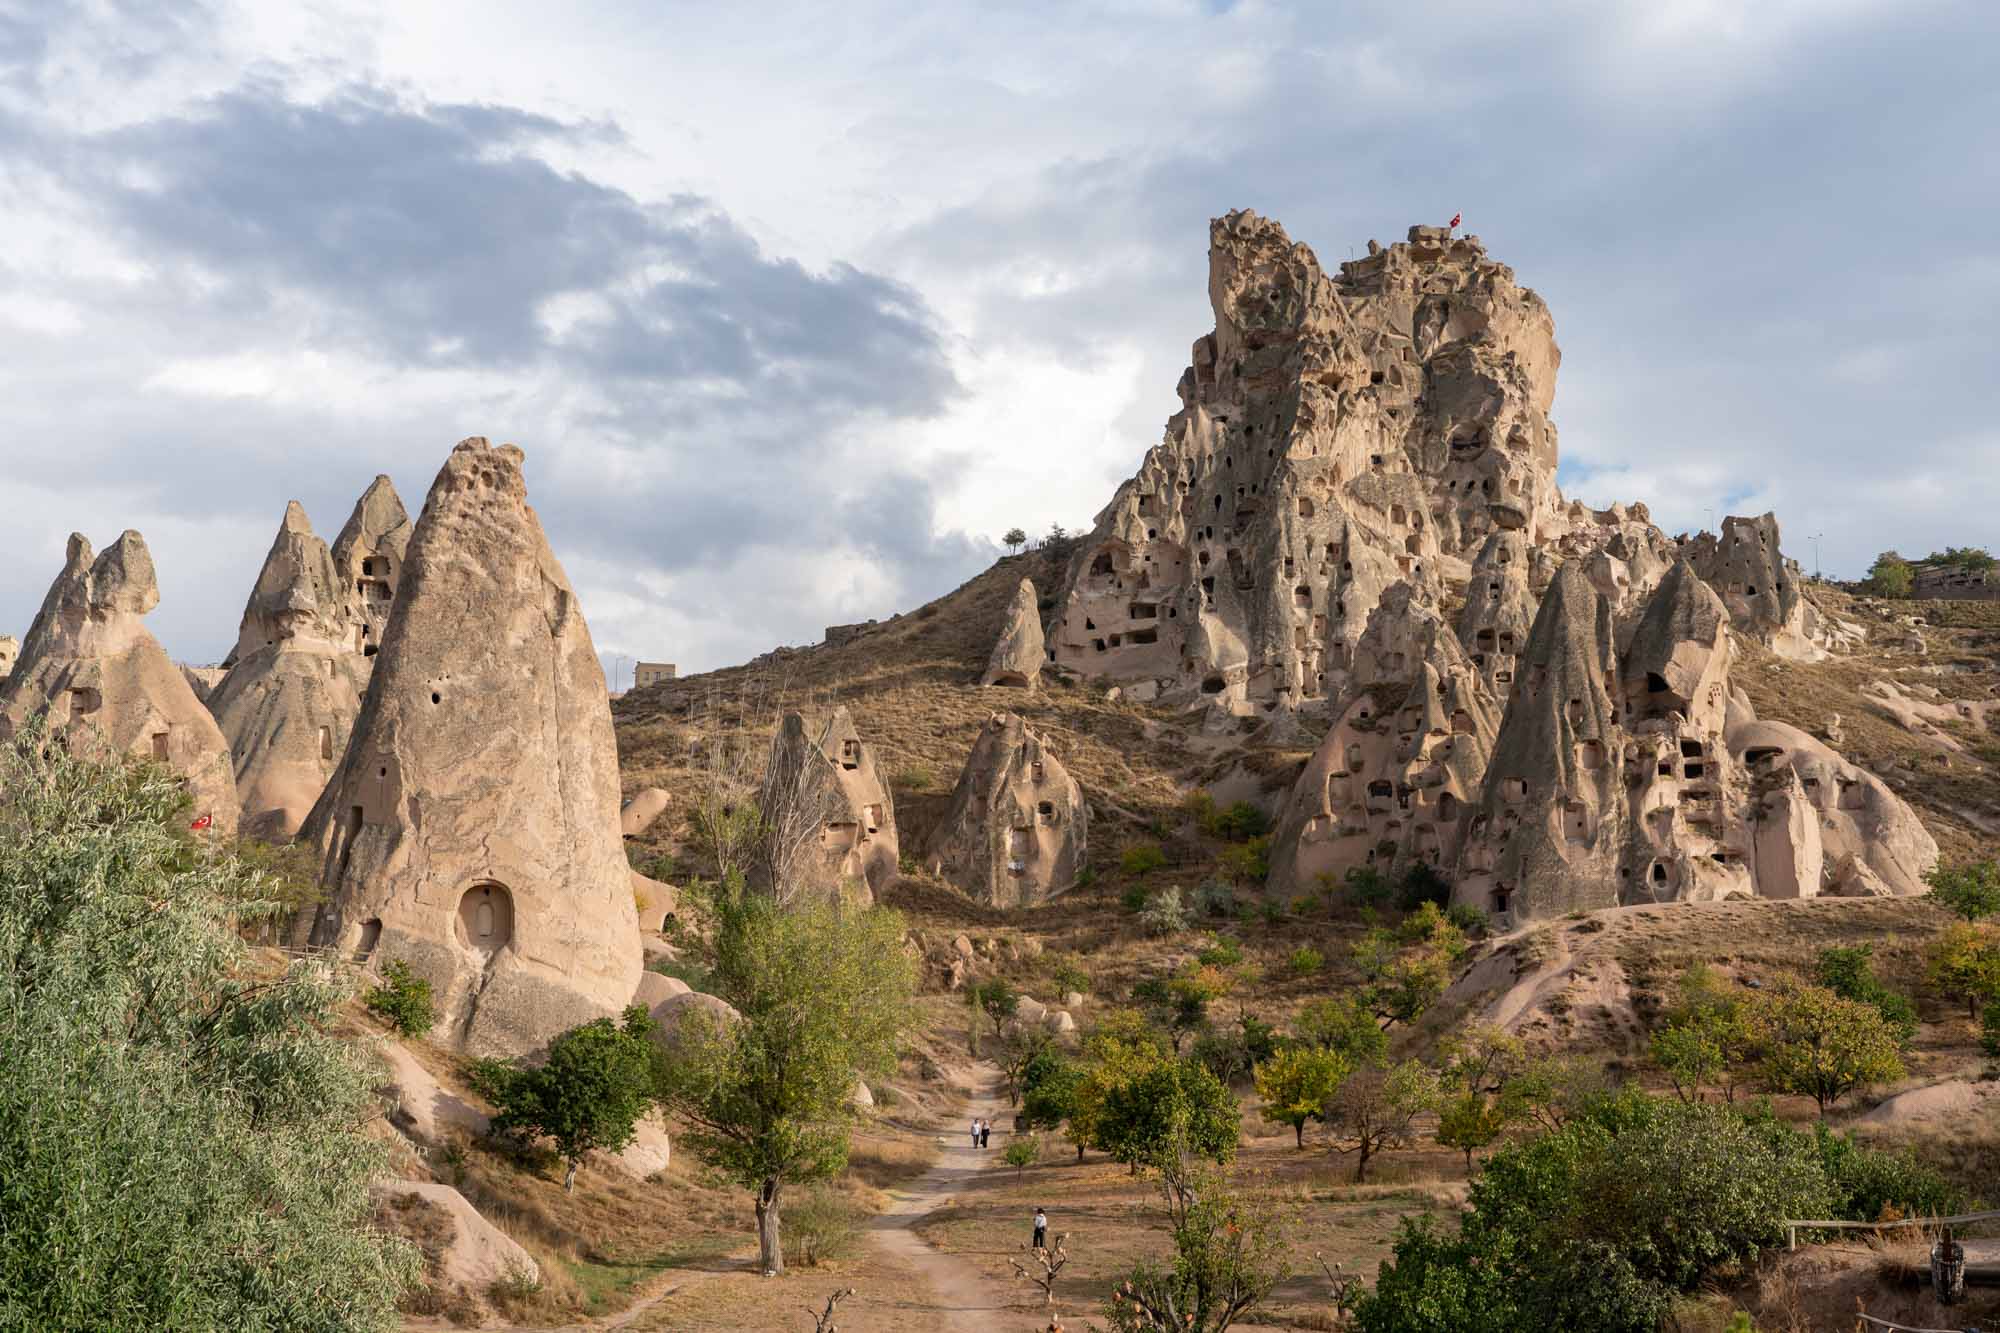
x,y
982,1132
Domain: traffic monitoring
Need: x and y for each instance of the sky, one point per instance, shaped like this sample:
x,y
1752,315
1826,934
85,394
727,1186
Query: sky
x,y
796,308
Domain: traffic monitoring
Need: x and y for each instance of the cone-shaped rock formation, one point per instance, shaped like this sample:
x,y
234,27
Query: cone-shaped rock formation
x,y
90,667
1019,653
369,554
294,684
472,827
1016,832
829,819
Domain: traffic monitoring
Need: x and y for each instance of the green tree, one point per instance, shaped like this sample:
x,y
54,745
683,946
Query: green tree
x,y
1229,1252
1375,1109
1022,1152
1048,1093
1889,576
1822,1046
1344,1024
1296,1084
403,999
1970,889
1474,1110
1020,1046
588,1096
1014,539
1470,1121
1849,972
1963,963
1121,1046
1405,971
1702,1039
996,1001
824,993
1177,1104
182,1141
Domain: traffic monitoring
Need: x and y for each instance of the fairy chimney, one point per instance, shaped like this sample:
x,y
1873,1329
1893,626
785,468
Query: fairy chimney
x,y
1019,653
92,669
829,819
1016,831
294,682
472,828
368,555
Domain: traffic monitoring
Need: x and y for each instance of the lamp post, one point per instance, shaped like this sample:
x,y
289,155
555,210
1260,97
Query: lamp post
x,y
1817,577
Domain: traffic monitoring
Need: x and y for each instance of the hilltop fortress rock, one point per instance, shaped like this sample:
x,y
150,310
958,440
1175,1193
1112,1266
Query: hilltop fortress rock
x,y
472,828
1018,655
295,678
90,665
1017,829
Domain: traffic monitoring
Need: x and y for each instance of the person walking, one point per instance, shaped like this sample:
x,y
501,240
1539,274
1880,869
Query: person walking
x,y
1041,1230
975,1131
986,1133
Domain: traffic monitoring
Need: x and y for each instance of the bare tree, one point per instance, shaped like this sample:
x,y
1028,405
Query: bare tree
x,y
1050,1261
723,808
800,796
823,1319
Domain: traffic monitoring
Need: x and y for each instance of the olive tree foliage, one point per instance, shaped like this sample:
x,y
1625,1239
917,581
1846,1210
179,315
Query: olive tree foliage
x,y
824,995
181,1147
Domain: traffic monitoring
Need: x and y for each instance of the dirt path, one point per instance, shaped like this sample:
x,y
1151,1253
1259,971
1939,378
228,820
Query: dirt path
x,y
963,1299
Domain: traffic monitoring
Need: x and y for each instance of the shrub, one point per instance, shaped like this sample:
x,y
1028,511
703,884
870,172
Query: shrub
x,y
1142,858
1248,862
1241,822
1134,898
824,1225
1970,890
182,1145
1421,884
1368,887
1024,1151
915,778
1470,919
1305,960
1849,973
1070,975
1989,1030
1215,898
681,969
587,1096
1163,913
1225,952
404,999
1343,1024
1274,912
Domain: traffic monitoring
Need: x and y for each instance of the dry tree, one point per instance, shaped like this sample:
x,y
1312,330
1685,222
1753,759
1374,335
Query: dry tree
x,y
1050,1260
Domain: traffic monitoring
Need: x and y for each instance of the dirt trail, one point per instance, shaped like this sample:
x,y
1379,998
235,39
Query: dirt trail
x,y
964,1300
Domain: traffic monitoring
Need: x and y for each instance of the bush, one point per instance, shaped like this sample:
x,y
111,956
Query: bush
x,y
823,1225
1163,913
1471,920
1069,976
1989,1030
1215,898
1421,884
1368,887
1225,952
694,974
1134,898
181,1144
1024,1151
1248,862
915,778
1142,858
1889,576
1849,973
1305,960
1971,890
404,999
588,1095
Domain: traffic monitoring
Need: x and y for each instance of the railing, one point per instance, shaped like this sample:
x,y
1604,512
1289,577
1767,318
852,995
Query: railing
x,y
1792,1228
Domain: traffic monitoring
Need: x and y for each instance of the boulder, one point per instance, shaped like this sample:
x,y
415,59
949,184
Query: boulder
x,y
1018,654
1061,1023
672,1013
655,989
646,805
471,828
477,1253
90,669
1016,831
649,1152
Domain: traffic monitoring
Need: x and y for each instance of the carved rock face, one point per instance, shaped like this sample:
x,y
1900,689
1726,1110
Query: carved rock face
x,y
1017,830
826,803
1018,654
92,670
472,826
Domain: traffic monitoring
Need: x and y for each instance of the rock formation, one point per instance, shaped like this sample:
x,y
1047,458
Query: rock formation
x,y
294,681
830,822
1017,828
10,648
472,827
1406,758
1019,653
1758,585
90,667
369,554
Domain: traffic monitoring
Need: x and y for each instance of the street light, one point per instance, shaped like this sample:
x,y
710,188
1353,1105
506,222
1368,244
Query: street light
x,y
1814,539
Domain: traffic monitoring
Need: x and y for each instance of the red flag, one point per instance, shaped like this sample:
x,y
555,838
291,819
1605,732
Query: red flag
x,y
1454,219
202,823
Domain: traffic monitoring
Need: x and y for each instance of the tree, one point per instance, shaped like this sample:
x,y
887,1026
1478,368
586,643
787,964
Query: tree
x,y
1048,1092
1175,1105
1478,1061
1404,971
1469,1121
1555,1091
1229,1254
588,1096
1049,1262
1703,1039
994,999
823,992
1120,1047
1020,1046
1343,1024
1818,1044
798,798
1970,889
403,999
1849,972
1375,1108
1023,1151
1014,540
1963,962
1889,576
1296,1084
183,1137
1180,1003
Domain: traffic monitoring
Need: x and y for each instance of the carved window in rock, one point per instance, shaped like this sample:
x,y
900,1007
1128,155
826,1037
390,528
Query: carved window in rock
x,y
486,918
160,746
326,743
850,754
1514,790
1576,821
371,935
840,835
1590,756
872,817
83,699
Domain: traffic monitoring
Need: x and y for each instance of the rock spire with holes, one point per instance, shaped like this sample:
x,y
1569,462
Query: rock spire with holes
x,y
1019,652
472,828
294,681
1017,830
92,670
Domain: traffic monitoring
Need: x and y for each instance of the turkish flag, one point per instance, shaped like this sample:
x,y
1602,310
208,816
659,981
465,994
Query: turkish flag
x,y
202,823
1454,219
